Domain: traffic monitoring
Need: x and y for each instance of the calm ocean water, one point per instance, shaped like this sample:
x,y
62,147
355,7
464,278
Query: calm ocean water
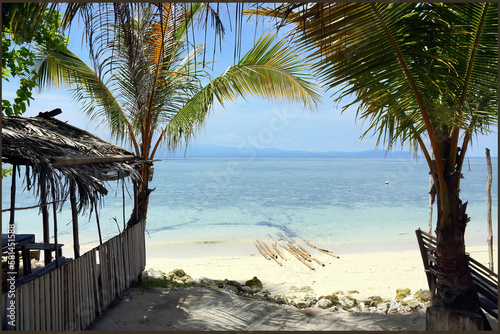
x,y
319,199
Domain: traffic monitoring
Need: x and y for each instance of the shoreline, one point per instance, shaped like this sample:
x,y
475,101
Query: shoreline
x,y
371,269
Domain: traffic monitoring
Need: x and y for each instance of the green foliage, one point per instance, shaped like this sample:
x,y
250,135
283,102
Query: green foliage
x,y
150,282
6,171
17,63
18,55
413,70
149,88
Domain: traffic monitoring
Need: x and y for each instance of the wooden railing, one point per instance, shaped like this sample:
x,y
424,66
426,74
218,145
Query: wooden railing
x,y
486,281
70,297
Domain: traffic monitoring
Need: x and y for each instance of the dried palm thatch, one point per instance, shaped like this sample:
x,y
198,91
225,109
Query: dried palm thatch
x,y
56,154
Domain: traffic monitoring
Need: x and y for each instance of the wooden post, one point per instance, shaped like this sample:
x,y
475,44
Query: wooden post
x,y
54,212
12,212
98,224
74,214
13,196
488,208
136,201
45,216
123,202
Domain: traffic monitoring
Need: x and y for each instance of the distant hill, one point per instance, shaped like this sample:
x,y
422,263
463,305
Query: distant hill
x,y
226,151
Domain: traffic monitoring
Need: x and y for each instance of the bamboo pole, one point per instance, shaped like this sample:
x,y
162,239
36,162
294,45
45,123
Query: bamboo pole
x,y
271,254
488,208
298,257
309,256
269,250
264,249
298,251
277,251
327,252
261,252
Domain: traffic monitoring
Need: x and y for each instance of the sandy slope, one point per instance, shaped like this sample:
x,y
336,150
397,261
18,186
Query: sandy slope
x,y
369,268
207,309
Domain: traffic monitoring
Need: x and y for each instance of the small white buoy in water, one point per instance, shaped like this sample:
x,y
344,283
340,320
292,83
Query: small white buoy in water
x,y
386,182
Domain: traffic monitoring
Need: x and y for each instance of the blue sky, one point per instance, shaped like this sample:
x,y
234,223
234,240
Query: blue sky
x,y
247,123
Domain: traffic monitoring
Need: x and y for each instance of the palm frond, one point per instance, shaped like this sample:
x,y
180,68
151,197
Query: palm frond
x,y
65,69
404,62
271,70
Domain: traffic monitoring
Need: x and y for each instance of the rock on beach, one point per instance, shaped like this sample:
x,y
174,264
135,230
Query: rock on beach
x,y
303,297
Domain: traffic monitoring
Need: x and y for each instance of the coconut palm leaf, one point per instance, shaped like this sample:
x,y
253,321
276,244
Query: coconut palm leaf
x,y
432,65
271,69
65,69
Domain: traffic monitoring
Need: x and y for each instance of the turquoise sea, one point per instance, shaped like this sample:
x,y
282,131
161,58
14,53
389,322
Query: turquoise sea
x,y
318,199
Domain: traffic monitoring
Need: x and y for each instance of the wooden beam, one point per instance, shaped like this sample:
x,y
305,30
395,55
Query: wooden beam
x,y
13,196
98,223
65,161
45,215
30,207
54,213
74,214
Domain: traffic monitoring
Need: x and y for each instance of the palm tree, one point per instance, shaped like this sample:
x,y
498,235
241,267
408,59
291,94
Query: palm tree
x,y
423,74
149,88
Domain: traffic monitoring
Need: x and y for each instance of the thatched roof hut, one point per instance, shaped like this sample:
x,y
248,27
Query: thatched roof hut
x,y
63,160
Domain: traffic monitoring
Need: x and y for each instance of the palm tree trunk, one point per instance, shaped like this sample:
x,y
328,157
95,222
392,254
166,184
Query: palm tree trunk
x,y
139,214
455,287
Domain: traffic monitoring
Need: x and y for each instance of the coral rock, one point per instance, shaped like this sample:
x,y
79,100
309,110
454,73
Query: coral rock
x,y
324,303
255,284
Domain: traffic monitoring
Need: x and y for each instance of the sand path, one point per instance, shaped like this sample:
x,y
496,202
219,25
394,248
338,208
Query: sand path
x,y
201,308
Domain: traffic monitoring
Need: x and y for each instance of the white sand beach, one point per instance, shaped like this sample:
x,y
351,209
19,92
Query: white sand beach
x,y
377,273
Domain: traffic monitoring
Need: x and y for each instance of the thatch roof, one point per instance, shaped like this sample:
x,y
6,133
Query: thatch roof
x,y
56,153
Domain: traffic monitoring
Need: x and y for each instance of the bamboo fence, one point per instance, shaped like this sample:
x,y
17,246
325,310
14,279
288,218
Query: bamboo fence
x,y
70,297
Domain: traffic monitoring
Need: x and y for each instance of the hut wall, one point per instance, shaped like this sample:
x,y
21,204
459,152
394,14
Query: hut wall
x,y
71,297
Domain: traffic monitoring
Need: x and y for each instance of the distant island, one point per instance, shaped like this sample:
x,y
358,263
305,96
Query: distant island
x,y
203,150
